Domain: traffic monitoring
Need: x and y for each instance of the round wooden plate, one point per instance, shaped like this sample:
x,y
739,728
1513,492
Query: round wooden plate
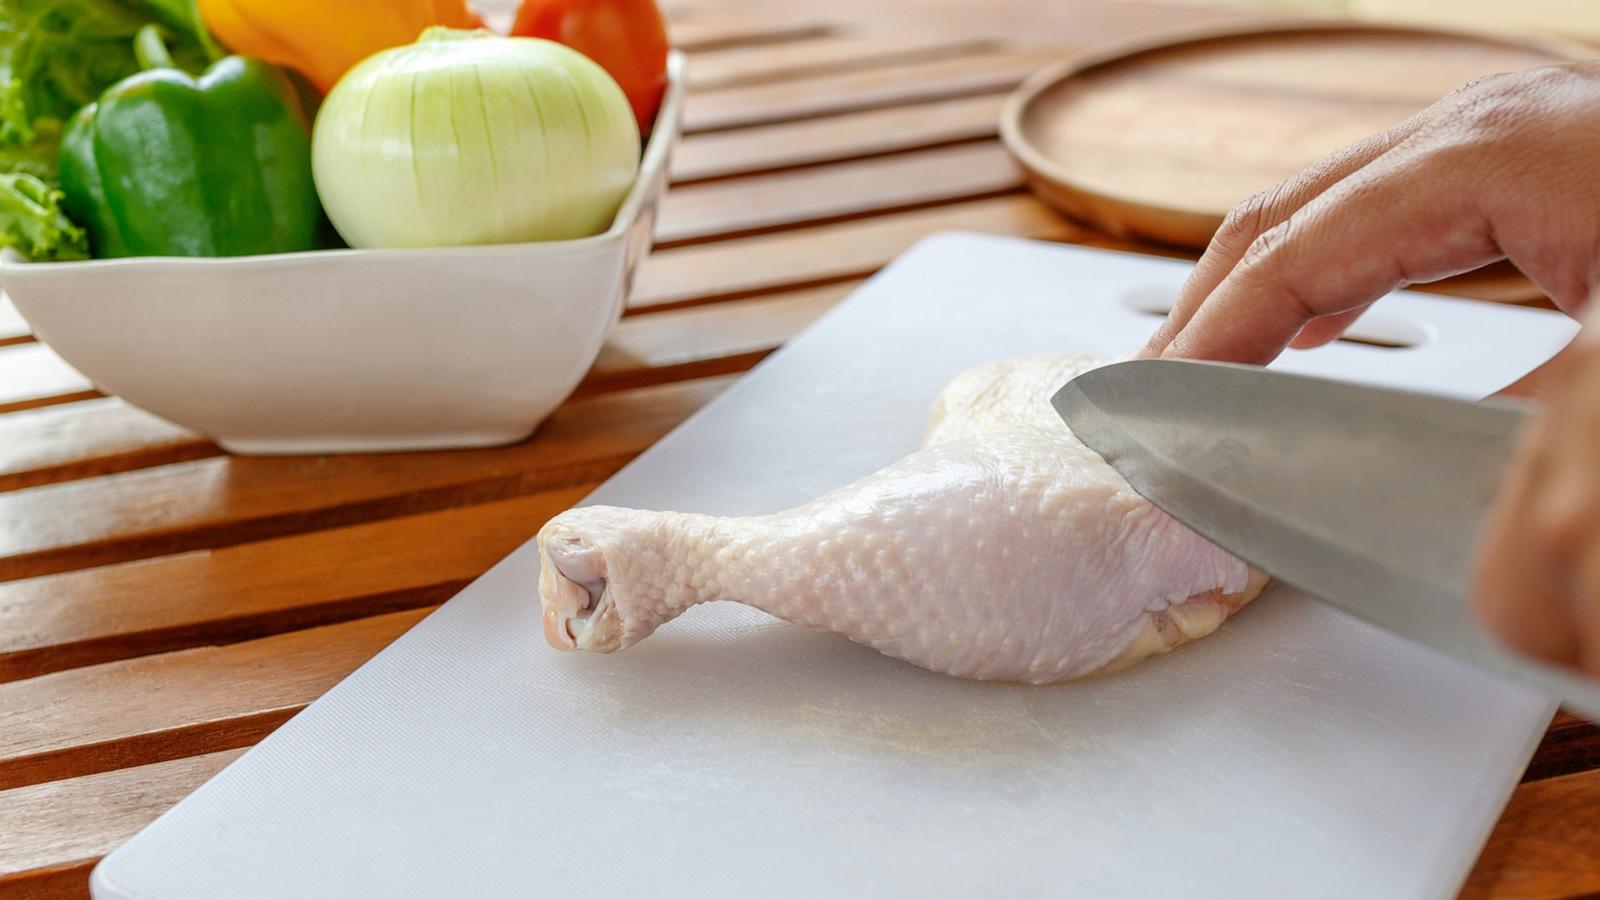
x,y
1160,141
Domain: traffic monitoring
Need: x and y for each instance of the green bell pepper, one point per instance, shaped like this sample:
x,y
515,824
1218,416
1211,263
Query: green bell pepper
x,y
168,165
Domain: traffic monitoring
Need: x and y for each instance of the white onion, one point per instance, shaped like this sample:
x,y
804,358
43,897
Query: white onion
x,y
467,137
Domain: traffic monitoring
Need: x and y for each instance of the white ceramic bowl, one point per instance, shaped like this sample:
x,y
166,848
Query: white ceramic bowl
x,y
352,350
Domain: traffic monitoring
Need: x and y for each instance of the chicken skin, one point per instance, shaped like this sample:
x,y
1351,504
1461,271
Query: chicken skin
x,y
1003,549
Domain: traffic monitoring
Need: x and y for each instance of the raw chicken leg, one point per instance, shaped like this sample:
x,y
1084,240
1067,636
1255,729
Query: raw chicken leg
x,y
1004,549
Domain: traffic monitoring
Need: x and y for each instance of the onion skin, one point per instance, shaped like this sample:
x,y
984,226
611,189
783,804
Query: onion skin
x,y
466,137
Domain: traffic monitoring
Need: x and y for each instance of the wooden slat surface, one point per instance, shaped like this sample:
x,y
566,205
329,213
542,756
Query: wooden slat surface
x,y
1570,745
938,176
93,437
721,154
220,501
759,64
80,618
724,270
163,605
820,95
171,705
710,340
32,375
63,826
1547,843
743,31
13,329
1084,22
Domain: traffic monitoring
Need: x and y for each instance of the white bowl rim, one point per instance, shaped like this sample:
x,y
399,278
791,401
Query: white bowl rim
x,y
654,159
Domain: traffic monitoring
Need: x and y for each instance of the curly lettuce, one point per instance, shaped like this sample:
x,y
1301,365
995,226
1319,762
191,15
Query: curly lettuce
x,y
34,222
57,56
38,156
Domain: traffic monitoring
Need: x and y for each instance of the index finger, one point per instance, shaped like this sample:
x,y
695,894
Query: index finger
x,y
1260,213
1405,218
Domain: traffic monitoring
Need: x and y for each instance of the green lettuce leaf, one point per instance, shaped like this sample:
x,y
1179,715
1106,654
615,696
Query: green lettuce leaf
x,y
58,55
37,157
34,223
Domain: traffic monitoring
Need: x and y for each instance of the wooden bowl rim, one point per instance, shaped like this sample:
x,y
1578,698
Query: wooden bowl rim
x,y
1040,166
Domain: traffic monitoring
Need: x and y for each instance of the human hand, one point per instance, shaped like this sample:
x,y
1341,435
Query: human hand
x,y
1504,167
1537,582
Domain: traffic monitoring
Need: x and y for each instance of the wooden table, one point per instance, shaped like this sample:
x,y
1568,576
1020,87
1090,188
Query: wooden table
x,y
164,606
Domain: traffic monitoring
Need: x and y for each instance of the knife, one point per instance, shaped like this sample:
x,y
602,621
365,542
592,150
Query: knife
x,y
1366,498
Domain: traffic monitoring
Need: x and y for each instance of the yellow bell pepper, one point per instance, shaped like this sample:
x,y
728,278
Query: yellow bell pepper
x,y
323,40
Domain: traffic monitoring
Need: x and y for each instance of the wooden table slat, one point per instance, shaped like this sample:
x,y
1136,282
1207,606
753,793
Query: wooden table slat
x,y
826,55
222,501
72,619
75,821
822,95
693,36
13,328
32,375
701,341
91,437
155,708
868,187
823,254
1565,717
1080,21
1546,844
1567,747
852,135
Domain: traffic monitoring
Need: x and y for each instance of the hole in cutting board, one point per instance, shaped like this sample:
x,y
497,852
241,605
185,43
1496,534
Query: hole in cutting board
x,y
1375,330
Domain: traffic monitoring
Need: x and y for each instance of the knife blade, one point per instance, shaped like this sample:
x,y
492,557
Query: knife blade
x,y
1366,498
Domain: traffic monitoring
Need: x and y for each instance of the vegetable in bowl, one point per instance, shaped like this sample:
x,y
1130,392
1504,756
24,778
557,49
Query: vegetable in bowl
x,y
478,138
467,137
55,57
356,350
628,38
164,164
323,39
462,323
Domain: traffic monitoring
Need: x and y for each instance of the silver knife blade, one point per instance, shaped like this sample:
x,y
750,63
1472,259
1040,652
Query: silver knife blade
x,y
1368,499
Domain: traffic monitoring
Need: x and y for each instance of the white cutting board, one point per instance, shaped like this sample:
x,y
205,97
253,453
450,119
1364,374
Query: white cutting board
x,y
1296,752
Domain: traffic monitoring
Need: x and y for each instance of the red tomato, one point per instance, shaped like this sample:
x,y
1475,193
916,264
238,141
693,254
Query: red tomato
x,y
626,37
